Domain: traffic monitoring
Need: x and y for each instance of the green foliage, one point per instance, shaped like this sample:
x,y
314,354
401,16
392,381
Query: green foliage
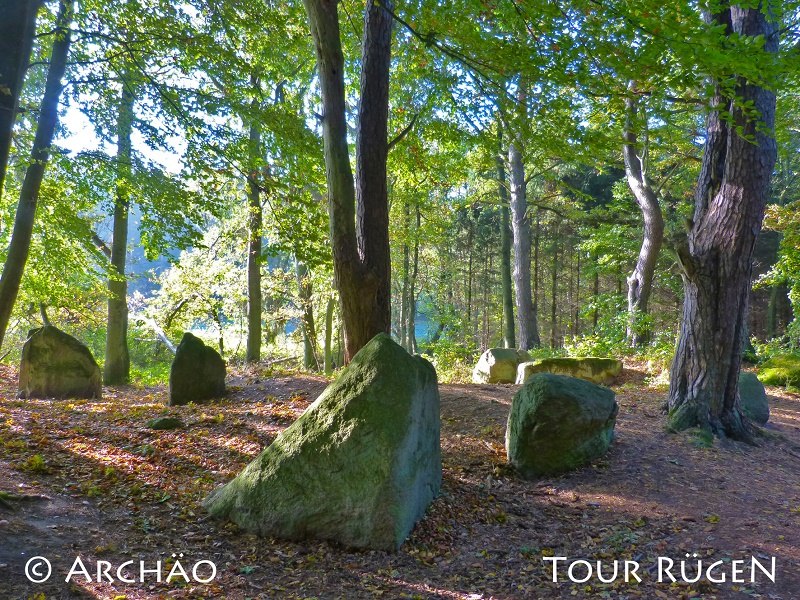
x,y
453,360
783,370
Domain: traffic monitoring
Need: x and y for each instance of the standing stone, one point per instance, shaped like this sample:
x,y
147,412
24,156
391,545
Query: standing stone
x,y
498,365
753,398
558,423
56,365
359,467
197,374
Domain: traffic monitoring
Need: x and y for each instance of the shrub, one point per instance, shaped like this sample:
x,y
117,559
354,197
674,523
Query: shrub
x,y
782,369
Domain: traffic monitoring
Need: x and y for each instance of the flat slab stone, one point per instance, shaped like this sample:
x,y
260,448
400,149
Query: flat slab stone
x,y
597,370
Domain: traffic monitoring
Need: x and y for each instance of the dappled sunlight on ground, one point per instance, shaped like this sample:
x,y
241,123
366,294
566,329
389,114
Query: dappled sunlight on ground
x,y
124,491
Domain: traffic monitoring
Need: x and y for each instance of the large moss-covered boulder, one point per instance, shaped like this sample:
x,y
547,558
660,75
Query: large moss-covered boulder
x,y
558,423
197,373
753,398
596,370
56,365
359,467
498,365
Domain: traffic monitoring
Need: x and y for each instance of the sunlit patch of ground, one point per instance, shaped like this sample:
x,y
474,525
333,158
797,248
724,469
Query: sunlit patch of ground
x,y
89,479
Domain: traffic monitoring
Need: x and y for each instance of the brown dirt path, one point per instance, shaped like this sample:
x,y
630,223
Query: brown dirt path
x,y
109,489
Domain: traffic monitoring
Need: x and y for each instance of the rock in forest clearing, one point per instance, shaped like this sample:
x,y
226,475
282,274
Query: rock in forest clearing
x,y
56,365
359,467
498,365
558,423
197,373
590,368
753,398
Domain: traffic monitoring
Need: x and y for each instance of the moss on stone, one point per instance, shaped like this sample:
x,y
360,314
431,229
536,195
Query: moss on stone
x,y
559,423
359,467
498,365
594,369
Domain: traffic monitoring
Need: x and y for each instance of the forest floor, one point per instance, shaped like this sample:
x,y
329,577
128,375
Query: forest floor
x,y
89,480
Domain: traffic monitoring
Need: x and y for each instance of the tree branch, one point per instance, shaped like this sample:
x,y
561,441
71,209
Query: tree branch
x,y
399,137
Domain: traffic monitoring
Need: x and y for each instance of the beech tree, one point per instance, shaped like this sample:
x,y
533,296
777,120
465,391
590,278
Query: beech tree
x,y
16,41
730,198
20,244
358,208
640,282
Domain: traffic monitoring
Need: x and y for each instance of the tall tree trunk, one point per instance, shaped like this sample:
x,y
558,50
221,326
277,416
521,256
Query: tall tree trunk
x,y
255,216
595,295
411,328
20,244
554,293
470,248
640,282
329,335
17,28
521,226
730,198
307,319
359,210
509,327
577,300
116,369
404,307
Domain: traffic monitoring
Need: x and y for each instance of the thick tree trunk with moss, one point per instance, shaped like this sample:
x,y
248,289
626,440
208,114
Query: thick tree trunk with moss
x,y
20,244
359,210
117,366
16,41
730,198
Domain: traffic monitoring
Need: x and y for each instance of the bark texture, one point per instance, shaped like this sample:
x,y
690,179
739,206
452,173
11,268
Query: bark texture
x,y
16,41
358,209
640,282
730,198
521,227
20,244
254,223
117,366
509,327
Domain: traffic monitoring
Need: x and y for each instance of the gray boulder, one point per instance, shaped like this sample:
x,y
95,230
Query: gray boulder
x,y
558,423
197,373
590,368
56,365
753,398
498,365
359,467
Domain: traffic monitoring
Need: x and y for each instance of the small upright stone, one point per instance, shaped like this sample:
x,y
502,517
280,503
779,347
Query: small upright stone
x,y
197,374
558,423
498,365
753,398
360,465
56,365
